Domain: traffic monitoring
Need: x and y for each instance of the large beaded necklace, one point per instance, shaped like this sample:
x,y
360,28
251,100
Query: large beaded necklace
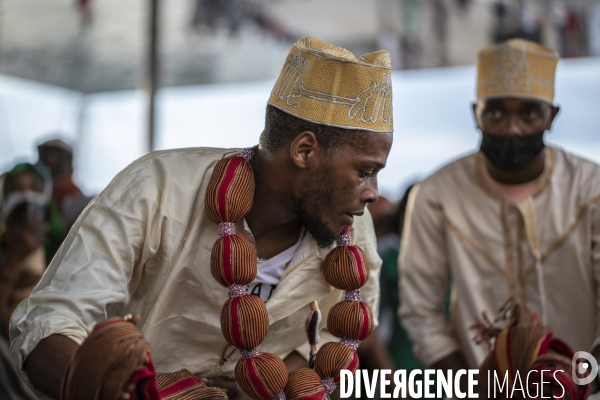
x,y
244,318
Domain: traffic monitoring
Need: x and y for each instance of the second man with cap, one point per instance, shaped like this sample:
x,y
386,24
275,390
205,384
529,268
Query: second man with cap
x,y
519,220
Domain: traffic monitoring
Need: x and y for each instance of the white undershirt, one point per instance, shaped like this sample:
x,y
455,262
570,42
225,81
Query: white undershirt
x,y
270,273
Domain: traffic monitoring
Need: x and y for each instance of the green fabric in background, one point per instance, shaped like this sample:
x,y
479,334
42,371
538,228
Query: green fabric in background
x,y
398,343
56,233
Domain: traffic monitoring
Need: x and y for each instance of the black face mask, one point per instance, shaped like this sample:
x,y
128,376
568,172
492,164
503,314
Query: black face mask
x,y
512,153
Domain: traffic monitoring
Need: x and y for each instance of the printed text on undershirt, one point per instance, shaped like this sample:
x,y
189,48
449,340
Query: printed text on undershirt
x,y
270,273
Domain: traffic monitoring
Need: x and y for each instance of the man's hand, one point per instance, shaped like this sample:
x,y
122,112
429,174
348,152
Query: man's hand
x,y
48,362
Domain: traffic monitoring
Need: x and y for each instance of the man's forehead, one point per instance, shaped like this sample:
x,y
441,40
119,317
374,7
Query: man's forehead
x,y
512,102
374,149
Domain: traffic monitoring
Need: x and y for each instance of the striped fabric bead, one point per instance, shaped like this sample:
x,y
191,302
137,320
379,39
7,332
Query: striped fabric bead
x,y
262,377
244,321
346,267
233,260
305,384
183,385
230,191
350,319
333,357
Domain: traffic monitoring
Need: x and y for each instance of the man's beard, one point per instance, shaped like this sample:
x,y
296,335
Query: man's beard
x,y
308,205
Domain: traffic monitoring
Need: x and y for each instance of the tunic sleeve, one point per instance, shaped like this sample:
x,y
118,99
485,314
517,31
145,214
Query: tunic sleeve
x,y
423,271
98,266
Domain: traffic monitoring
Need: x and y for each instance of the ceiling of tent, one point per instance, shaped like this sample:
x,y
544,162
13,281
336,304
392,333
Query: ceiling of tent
x,y
102,46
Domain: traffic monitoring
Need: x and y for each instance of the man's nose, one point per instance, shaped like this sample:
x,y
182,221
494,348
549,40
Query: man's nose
x,y
513,128
371,195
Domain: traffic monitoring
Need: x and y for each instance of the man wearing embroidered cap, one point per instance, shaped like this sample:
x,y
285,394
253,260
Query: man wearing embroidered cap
x,y
518,219
149,243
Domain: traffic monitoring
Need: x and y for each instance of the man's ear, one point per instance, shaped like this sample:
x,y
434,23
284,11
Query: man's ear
x,y
553,113
304,149
474,108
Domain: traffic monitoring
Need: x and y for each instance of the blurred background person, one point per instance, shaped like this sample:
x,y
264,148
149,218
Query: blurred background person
x,y
31,185
24,228
374,352
67,197
389,347
388,220
28,225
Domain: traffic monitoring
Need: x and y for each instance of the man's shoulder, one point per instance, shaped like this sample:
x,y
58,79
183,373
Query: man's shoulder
x,y
156,174
581,173
451,177
574,162
185,159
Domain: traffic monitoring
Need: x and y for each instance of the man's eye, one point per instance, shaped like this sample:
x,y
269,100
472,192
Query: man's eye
x,y
494,114
529,114
365,174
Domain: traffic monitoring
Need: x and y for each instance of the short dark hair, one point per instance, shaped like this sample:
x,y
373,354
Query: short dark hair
x,y
282,127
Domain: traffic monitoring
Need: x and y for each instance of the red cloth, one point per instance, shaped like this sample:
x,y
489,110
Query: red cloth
x,y
63,188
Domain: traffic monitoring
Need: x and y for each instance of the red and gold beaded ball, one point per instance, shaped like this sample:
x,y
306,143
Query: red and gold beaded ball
x,y
244,321
262,376
233,260
350,319
333,357
305,384
230,191
346,268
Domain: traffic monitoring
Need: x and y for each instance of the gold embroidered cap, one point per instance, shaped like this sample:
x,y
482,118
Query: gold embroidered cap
x,y
516,68
326,84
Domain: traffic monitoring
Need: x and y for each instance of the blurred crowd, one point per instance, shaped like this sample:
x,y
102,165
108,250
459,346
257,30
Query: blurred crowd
x,y
414,27
427,33
39,202
232,14
527,20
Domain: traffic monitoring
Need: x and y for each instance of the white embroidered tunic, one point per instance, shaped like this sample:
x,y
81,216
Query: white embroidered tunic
x,y
143,246
543,250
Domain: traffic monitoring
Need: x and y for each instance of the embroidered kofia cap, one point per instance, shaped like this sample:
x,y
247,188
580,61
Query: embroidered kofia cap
x,y
516,68
327,84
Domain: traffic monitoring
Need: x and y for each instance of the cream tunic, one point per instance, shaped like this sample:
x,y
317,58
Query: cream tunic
x,y
143,246
543,250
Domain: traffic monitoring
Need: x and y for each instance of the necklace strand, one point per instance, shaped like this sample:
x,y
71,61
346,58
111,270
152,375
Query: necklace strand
x,y
245,319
